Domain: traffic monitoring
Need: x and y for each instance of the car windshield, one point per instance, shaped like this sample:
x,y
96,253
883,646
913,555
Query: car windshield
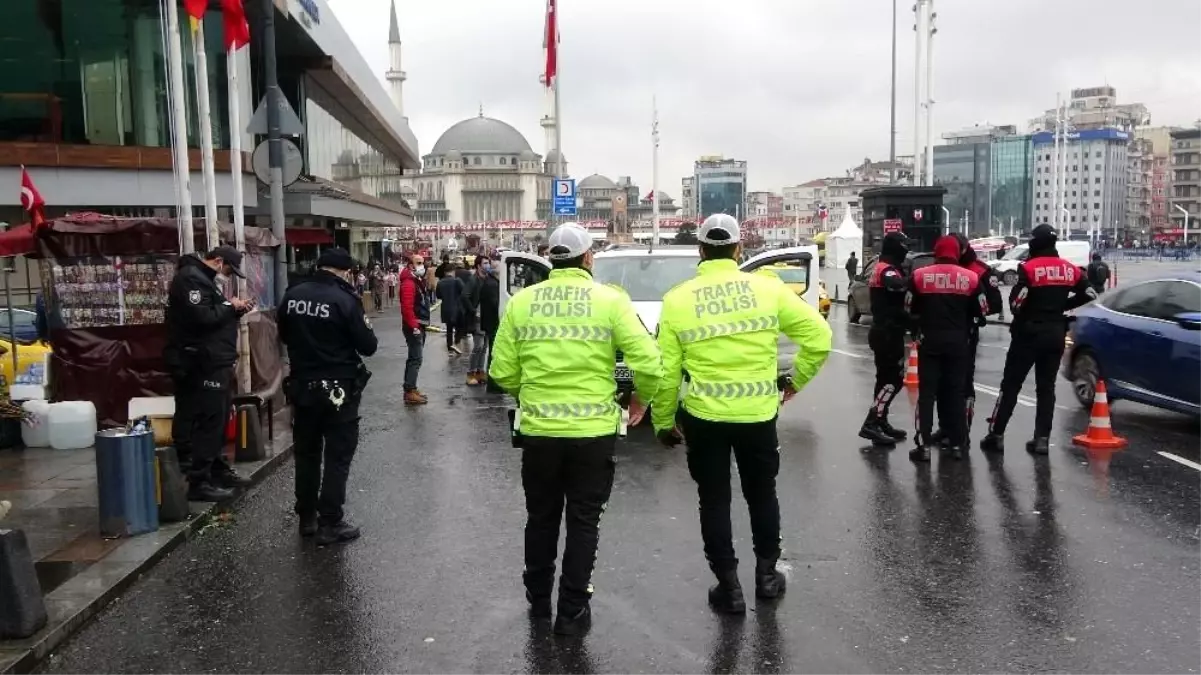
x,y
645,278
792,275
1016,253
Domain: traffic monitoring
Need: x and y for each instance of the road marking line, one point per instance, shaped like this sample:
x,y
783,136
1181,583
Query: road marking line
x,y
850,354
1181,460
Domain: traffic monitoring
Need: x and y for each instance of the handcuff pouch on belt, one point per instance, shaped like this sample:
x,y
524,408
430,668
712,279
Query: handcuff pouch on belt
x,y
333,391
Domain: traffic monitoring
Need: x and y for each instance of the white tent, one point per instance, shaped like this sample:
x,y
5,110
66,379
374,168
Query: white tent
x,y
839,244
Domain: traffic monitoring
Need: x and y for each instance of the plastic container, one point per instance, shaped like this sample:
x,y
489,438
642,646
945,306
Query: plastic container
x,y
126,482
36,432
72,425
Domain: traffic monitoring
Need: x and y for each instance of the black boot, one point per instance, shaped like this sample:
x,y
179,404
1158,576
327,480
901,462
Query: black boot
x,y
539,605
726,596
337,533
204,491
226,477
308,524
889,429
1039,445
939,438
872,431
993,443
573,622
920,454
769,581
955,452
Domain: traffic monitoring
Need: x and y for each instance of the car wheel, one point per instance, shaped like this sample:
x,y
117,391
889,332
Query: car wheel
x,y
1085,374
1009,278
853,310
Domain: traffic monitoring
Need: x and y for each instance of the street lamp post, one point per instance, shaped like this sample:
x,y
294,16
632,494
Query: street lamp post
x,y
1185,212
1066,230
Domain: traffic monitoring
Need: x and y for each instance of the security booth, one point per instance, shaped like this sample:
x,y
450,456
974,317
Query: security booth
x,y
916,211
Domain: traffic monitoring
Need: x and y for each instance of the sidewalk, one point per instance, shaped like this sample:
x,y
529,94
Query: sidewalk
x,y
54,499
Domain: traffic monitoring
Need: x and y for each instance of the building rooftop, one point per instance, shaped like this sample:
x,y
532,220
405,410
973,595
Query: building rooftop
x,y
481,136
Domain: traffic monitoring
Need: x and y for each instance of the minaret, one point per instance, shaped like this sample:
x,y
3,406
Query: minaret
x,y
548,120
395,76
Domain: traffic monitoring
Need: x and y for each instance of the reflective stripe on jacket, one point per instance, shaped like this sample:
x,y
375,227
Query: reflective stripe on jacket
x,y
555,351
723,328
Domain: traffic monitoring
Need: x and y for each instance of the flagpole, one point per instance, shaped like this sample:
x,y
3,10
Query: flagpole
x,y
559,171
179,130
235,171
204,112
655,175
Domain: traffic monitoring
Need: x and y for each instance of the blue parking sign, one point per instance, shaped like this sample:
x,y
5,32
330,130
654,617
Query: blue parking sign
x,y
565,197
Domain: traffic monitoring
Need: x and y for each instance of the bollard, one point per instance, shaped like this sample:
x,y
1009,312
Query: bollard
x,y
249,445
23,612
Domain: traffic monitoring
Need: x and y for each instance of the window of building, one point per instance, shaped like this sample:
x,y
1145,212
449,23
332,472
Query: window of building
x,y
1096,193
476,161
1096,180
504,161
1096,205
1098,153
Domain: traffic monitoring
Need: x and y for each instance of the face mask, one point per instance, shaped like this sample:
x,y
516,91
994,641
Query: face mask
x,y
419,270
487,269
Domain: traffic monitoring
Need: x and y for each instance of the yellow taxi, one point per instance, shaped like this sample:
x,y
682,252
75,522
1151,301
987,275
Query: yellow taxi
x,y
31,362
797,279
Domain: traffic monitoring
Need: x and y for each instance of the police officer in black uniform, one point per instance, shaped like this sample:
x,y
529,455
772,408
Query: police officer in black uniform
x,y
945,301
991,286
326,331
887,337
202,347
1047,287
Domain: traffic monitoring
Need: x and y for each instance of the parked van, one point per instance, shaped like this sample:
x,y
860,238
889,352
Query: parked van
x,y
1075,252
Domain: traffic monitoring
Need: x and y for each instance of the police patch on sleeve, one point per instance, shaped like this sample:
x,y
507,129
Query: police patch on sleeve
x,y
194,297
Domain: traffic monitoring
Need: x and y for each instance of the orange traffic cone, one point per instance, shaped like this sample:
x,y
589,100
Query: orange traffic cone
x,y
911,368
1100,434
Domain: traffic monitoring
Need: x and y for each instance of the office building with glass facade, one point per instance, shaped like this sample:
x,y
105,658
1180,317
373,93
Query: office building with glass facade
x,y
84,107
720,187
964,169
1011,187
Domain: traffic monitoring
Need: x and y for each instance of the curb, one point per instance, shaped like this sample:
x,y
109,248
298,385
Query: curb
x,y
84,595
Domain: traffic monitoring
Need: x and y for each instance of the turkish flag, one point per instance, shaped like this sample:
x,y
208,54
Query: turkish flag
x,y
196,8
31,200
237,30
550,41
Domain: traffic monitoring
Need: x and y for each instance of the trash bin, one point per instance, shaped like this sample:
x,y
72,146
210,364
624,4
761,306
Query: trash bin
x,y
126,481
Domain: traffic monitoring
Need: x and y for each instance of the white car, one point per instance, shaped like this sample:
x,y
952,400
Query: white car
x,y
1076,252
647,275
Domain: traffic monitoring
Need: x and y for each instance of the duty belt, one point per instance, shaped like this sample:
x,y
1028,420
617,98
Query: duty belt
x,y
565,410
733,389
731,328
564,332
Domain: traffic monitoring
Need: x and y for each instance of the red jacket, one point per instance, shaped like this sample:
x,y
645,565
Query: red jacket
x,y
413,300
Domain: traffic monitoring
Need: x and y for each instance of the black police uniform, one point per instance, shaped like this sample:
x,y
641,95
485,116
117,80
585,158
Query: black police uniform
x,y
202,347
887,338
945,300
324,327
992,293
1047,287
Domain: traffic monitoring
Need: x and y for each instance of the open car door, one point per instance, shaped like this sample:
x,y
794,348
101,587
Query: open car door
x,y
518,271
801,268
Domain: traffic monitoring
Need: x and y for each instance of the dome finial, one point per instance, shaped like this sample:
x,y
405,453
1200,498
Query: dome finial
x,y
481,108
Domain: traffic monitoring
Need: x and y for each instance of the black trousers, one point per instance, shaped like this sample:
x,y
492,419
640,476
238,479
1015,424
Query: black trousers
x,y
969,384
1038,346
575,474
451,334
941,362
320,430
757,451
888,349
202,404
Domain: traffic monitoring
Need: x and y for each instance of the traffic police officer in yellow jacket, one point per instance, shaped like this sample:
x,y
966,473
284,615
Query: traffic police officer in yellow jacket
x,y
722,327
554,351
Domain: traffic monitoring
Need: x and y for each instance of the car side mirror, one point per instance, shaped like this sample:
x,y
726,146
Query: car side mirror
x,y
1189,320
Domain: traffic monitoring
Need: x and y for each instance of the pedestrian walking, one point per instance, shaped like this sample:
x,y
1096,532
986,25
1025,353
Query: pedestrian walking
x,y
489,309
470,303
327,334
555,352
945,300
392,278
1098,274
201,349
852,268
886,337
448,292
443,267
1047,286
722,327
415,316
992,293
378,283
466,326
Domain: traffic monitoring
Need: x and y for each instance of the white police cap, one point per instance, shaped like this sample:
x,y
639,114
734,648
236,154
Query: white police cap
x,y
568,241
719,229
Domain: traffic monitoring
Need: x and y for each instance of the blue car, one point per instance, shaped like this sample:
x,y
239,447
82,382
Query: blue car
x,y
24,325
1145,340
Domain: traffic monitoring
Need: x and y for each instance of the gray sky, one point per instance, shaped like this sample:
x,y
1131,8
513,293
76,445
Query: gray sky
x,y
798,88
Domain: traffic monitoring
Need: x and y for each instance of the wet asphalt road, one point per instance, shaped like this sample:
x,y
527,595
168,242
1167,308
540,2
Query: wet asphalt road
x,y
1065,563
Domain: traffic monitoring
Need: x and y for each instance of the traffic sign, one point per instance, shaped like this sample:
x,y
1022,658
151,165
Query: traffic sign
x,y
565,197
892,225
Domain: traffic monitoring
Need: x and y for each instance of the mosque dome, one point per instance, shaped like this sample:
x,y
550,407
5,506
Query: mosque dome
x,y
481,136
